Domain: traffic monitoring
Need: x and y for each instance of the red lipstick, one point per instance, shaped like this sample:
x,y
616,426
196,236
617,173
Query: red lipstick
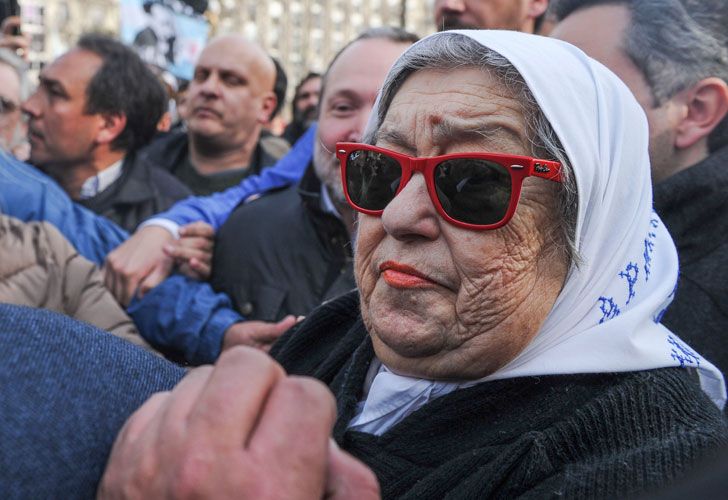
x,y
399,275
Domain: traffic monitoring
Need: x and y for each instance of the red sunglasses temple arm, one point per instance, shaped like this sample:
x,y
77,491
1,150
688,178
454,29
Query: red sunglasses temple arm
x,y
546,169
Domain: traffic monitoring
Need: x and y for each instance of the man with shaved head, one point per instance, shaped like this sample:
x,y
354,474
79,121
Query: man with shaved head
x,y
229,99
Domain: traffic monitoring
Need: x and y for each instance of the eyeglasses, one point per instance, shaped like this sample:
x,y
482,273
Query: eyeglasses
x,y
469,190
7,106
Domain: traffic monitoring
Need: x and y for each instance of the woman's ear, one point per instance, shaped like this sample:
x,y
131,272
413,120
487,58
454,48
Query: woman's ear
x,y
706,104
111,127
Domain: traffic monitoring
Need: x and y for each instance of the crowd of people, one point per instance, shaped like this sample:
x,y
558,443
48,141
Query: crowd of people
x,y
490,262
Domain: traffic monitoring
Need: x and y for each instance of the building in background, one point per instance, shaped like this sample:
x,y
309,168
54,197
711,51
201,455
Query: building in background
x,y
302,34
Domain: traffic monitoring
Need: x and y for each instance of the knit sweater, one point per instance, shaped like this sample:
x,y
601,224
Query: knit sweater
x,y
575,436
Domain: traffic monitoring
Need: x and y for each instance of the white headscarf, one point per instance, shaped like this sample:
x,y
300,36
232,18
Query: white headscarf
x,y
606,318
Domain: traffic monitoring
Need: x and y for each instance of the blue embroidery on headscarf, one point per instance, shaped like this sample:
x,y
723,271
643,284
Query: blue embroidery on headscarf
x,y
650,247
682,353
658,317
609,309
630,274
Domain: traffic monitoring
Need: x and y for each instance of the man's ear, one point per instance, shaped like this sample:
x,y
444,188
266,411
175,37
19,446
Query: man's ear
x,y
111,127
705,105
537,7
268,104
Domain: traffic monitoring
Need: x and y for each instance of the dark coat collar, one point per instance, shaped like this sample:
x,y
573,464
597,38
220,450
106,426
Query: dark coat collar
x,y
693,205
169,150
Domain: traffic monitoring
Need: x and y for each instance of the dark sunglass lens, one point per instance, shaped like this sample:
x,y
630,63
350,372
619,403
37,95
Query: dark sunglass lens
x,y
473,191
372,179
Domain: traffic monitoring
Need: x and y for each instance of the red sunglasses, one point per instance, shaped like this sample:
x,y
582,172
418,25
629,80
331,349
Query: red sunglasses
x,y
469,190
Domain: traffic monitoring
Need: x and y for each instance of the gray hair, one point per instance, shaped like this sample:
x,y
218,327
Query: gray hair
x,y
453,50
8,58
674,43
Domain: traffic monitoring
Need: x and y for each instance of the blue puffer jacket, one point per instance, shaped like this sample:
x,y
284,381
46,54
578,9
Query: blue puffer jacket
x,y
29,195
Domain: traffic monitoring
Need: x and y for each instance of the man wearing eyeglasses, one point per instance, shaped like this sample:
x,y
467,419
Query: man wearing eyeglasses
x,y
13,88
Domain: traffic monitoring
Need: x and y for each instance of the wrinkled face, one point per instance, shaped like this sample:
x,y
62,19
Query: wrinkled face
x,y
600,32
351,89
442,302
231,92
60,132
307,100
11,123
488,14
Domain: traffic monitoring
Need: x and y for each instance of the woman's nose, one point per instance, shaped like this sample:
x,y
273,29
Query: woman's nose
x,y
411,214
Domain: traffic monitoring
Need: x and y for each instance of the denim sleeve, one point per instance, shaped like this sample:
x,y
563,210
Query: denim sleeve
x,y
67,389
185,316
216,208
29,195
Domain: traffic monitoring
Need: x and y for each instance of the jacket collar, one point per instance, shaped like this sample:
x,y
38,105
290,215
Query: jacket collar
x,y
135,184
693,204
309,189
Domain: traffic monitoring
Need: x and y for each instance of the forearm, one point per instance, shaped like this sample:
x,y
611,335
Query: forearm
x,y
185,316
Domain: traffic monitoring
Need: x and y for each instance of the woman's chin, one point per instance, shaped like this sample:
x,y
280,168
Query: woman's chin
x,y
404,334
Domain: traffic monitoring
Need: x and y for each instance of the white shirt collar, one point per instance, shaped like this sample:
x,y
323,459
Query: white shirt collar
x,y
327,203
99,182
389,398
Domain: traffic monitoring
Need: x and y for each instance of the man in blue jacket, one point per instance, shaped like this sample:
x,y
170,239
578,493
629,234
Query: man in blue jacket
x,y
29,195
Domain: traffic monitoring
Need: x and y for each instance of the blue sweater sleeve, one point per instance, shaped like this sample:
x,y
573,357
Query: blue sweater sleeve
x,y
29,195
216,208
185,316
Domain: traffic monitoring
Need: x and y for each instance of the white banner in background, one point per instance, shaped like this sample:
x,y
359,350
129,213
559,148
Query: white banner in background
x,y
166,33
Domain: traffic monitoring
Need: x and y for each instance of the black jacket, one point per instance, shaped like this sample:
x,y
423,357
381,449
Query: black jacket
x,y
693,205
602,435
293,132
282,254
170,152
141,191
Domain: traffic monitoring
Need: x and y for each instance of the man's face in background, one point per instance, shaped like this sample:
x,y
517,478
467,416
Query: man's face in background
x,y
12,125
516,15
306,99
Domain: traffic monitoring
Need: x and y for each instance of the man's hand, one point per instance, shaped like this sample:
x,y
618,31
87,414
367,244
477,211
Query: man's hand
x,y
17,44
193,251
258,334
348,478
240,429
139,264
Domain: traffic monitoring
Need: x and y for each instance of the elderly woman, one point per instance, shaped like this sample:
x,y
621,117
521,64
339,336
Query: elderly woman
x,y
505,337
